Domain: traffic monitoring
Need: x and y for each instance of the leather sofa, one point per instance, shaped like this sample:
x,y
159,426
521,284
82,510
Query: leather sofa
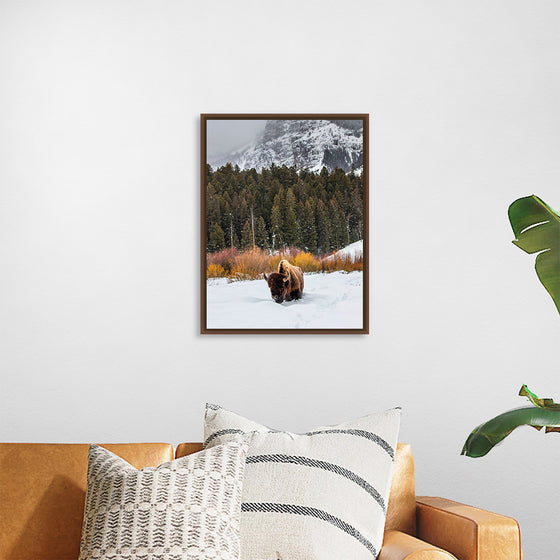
x,y
42,492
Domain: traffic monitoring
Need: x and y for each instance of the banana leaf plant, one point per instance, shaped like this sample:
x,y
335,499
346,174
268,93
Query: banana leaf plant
x,y
537,230
536,227
543,413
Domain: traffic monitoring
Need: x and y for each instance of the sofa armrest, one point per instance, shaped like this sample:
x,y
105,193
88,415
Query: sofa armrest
x,y
467,532
401,546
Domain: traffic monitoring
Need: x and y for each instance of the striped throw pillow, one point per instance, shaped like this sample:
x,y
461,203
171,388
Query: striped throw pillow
x,y
187,509
321,495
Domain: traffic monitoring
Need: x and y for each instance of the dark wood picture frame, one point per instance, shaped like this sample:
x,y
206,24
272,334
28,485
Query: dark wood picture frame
x,y
205,118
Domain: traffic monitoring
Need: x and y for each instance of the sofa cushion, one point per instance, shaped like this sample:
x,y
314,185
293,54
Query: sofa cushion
x,y
322,494
401,510
186,509
42,492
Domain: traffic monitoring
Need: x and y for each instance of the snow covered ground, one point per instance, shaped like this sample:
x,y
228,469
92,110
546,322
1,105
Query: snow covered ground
x,y
354,250
330,301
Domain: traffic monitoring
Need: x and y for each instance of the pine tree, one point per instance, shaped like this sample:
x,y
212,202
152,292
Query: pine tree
x,y
275,203
261,236
227,226
246,237
213,206
217,240
209,173
355,216
277,223
291,228
308,229
339,232
323,228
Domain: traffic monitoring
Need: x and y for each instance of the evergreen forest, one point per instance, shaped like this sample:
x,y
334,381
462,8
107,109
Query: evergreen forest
x,y
282,207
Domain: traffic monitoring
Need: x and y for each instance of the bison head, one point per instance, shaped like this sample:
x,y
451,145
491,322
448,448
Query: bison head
x,y
278,285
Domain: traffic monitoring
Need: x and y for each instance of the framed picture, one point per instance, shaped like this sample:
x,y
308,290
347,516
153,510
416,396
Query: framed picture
x,y
284,223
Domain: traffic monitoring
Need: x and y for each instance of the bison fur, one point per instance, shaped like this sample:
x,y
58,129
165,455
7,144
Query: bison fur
x,y
287,283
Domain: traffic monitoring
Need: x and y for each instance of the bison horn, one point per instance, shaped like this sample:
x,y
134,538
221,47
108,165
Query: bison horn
x,y
265,276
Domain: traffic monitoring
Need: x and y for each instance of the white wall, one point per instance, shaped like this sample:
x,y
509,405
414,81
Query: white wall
x,y
99,218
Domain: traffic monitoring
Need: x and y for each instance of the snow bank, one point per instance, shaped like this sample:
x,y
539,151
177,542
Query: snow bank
x,y
354,250
330,301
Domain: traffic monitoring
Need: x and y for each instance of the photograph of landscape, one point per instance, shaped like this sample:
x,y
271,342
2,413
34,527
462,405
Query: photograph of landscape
x,y
284,223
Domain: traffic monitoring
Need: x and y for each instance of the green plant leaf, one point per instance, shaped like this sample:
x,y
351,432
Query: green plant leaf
x,y
536,227
483,438
537,401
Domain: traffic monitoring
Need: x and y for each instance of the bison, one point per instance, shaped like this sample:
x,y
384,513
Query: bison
x,y
287,283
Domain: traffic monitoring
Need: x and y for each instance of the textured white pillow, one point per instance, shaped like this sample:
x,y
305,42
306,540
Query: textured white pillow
x,y
187,509
321,495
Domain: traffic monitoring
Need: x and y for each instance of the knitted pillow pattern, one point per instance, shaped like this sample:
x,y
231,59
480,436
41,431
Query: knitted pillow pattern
x,y
187,509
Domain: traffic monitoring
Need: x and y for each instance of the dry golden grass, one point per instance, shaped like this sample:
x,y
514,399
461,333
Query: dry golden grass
x,y
251,264
347,264
215,271
307,262
225,259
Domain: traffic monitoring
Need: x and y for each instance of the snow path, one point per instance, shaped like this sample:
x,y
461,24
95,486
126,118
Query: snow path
x,y
330,301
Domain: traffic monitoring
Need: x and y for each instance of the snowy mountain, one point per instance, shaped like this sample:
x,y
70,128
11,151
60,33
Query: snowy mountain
x,y
305,144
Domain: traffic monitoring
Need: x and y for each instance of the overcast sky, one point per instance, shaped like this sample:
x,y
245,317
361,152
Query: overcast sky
x,y
225,135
